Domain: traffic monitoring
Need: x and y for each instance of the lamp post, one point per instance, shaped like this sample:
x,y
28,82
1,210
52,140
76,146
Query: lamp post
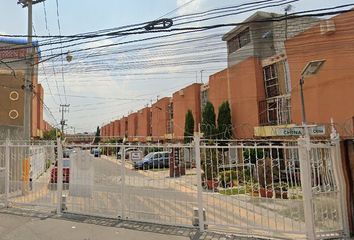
x,y
311,68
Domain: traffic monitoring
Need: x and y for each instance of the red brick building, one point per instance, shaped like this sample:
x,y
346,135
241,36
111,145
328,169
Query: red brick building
x,y
143,123
183,100
160,118
132,126
116,125
329,93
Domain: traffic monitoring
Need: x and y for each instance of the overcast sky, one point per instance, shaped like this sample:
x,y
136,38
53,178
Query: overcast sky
x,y
100,97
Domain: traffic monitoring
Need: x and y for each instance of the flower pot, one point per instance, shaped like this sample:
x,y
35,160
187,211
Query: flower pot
x,y
282,195
268,193
212,184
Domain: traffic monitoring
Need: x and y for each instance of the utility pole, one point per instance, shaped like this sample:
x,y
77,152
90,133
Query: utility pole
x,y
29,71
63,109
201,76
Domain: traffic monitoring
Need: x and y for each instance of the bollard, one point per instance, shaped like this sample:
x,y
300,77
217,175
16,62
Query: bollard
x,y
195,218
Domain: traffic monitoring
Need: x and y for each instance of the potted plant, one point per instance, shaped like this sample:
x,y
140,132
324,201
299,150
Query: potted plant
x,y
266,177
281,190
228,178
210,167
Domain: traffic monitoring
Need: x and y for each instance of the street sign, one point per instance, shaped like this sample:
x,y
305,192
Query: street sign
x,y
298,131
136,156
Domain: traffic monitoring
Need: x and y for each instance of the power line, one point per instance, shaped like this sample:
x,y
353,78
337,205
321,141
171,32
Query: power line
x,y
61,52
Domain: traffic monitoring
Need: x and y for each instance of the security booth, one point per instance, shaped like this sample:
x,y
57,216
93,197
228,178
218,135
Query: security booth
x,y
177,168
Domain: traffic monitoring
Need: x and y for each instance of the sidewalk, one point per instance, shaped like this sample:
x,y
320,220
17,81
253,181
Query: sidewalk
x,y
18,224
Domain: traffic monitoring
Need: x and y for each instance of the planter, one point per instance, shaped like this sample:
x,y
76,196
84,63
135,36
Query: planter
x,y
212,184
268,193
282,195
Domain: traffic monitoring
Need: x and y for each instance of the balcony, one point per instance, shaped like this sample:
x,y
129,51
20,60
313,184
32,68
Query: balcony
x,y
275,111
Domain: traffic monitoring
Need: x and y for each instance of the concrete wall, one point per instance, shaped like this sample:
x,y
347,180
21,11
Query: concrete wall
x,y
294,27
13,85
263,45
329,93
258,47
12,76
186,99
160,117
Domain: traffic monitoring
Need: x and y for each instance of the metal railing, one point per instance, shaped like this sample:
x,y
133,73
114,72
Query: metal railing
x,y
275,111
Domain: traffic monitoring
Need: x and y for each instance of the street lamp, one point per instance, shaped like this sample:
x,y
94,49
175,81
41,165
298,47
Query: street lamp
x,y
311,68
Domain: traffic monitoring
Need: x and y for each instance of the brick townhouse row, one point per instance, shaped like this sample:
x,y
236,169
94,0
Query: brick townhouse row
x,y
261,82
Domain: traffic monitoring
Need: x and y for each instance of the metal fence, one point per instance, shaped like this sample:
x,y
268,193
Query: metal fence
x,y
26,167
291,189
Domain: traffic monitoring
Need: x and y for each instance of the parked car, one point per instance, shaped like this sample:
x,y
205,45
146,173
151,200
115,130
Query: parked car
x,y
66,172
96,152
127,151
154,160
67,152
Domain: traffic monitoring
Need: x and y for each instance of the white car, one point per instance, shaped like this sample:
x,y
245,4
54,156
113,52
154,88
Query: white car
x,y
127,152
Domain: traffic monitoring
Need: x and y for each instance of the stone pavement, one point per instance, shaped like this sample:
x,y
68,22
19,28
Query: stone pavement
x,y
30,225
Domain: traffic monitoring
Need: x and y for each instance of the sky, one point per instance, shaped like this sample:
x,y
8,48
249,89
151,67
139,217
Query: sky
x,y
103,85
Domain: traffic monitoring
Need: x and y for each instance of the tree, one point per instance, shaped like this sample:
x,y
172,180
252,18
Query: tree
x,y
188,127
97,136
224,121
208,121
50,135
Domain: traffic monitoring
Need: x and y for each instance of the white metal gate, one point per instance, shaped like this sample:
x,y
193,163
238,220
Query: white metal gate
x,y
25,174
291,189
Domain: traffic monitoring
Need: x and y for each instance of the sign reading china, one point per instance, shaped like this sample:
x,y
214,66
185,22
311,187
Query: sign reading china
x,y
12,53
297,131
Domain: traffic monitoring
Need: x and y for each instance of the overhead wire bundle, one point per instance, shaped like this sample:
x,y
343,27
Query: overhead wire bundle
x,y
184,46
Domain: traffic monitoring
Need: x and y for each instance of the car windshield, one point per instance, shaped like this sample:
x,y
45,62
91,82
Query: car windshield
x,y
148,156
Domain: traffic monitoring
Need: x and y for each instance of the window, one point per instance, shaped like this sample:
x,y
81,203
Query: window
x,y
275,111
237,42
271,81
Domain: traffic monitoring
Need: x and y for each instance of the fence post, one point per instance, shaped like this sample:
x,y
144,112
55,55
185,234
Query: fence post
x,y
199,182
340,180
59,175
306,184
7,172
122,172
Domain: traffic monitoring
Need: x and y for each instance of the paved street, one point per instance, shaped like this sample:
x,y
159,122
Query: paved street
x,y
22,227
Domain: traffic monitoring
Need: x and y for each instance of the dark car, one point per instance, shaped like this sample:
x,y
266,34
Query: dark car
x,y
67,153
154,160
96,152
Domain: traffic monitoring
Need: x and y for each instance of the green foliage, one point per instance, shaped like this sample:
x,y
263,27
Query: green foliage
x,y
228,176
208,126
97,136
224,121
50,135
253,154
188,127
210,164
